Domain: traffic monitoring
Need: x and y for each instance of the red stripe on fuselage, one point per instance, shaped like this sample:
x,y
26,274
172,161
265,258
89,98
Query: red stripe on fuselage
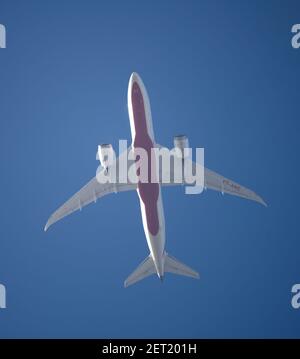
x,y
149,192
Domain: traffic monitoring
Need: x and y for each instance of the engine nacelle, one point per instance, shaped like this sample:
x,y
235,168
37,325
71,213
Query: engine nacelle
x,y
181,142
106,155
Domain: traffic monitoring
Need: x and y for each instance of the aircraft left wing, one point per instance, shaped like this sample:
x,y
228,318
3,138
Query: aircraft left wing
x,y
216,182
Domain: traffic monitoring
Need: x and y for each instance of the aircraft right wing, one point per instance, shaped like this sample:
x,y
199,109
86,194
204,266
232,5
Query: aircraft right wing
x,y
88,194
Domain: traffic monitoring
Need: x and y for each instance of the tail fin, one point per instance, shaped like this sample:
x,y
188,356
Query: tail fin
x,y
145,269
172,265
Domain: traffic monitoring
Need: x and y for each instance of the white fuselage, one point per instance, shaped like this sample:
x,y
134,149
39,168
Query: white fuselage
x,y
149,193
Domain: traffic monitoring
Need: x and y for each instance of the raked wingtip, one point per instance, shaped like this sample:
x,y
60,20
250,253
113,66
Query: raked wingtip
x,y
258,199
262,202
46,227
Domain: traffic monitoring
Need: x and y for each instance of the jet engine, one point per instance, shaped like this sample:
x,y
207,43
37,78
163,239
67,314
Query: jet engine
x,y
106,155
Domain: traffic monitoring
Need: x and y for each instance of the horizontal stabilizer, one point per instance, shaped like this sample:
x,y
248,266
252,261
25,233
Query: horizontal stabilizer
x,y
145,269
172,265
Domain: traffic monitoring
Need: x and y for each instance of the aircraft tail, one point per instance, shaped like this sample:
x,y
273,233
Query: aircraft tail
x,y
171,265
145,269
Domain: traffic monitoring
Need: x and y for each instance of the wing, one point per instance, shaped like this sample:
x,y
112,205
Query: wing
x,y
214,181
86,195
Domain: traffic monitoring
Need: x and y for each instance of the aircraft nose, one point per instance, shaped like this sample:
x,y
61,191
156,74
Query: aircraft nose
x,y
134,77
134,74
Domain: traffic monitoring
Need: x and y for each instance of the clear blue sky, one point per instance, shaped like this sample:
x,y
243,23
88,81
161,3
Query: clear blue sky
x,y
222,72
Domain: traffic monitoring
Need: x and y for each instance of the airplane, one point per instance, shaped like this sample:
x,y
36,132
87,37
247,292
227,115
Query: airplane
x,y
158,261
